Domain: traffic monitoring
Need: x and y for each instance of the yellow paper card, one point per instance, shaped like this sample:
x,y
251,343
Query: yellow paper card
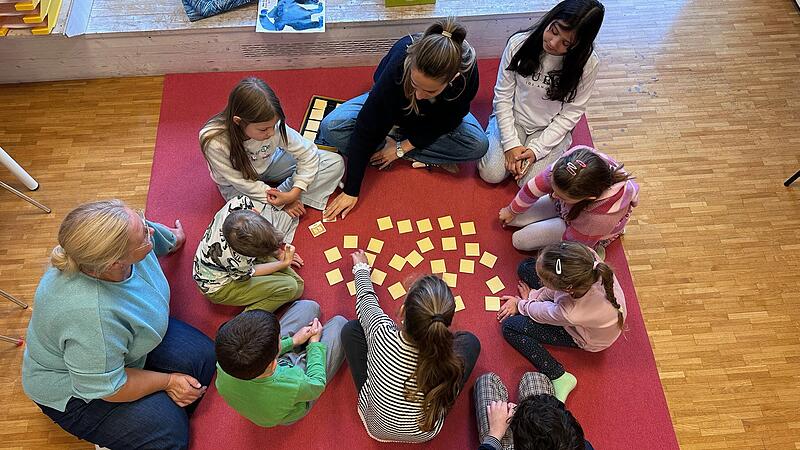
x,y
377,276
316,114
310,135
370,259
397,290
425,245
495,285
424,225
332,254
397,262
320,103
450,279
492,303
466,266
449,243
414,258
459,303
351,287
312,125
385,223
472,249
334,276
467,228
438,266
488,259
350,242
445,223
404,226
375,245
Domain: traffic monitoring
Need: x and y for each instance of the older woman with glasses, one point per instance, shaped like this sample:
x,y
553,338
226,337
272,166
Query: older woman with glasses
x,y
104,360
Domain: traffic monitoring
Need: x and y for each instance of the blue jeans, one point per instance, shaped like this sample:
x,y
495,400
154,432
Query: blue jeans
x,y
154,421
467,142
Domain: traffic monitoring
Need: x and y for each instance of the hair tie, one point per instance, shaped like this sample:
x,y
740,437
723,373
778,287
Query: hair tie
x,y
558,266
437,318
447,34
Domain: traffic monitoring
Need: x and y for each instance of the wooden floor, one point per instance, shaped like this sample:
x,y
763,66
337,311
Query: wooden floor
x,y
699,98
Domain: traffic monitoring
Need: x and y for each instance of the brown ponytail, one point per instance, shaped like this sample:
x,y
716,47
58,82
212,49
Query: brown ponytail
x,y
441,54
429,310
604,271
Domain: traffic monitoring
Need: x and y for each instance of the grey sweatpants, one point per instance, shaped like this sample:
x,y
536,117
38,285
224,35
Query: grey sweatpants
x,y
300,314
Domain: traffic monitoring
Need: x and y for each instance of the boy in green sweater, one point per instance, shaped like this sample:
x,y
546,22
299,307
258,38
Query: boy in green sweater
x,y
267,378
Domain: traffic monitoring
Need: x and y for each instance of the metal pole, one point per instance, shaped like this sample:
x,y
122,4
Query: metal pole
x,y
25,197
13,299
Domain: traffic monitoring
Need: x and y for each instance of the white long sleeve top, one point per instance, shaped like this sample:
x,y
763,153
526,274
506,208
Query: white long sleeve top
x,y
261,153
523,100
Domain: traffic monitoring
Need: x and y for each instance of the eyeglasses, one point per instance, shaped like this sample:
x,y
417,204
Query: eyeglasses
x,y
146,231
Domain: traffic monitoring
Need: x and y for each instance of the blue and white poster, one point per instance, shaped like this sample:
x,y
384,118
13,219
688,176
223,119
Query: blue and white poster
x,y
291,16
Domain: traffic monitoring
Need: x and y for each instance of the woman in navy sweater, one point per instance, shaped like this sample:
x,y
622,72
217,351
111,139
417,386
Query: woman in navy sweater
x,y
418,109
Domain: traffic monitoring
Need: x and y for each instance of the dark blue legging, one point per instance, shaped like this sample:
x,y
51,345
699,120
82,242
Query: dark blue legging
x,y
527,337
154,421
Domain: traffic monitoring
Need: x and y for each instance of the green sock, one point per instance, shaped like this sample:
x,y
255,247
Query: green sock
x,y
563,385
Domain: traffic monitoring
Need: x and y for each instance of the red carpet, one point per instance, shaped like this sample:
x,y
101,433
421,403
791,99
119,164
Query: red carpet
x,y
619,399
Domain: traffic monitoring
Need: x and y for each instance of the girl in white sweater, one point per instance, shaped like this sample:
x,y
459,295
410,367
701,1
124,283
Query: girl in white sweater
x,y
543,84
250,151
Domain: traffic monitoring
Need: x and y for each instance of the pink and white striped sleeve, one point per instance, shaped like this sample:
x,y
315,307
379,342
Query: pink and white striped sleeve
x,y
533,190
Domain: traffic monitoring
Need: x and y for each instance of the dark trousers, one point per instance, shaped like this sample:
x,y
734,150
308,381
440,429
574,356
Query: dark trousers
x,y
354,340
527,337
152,422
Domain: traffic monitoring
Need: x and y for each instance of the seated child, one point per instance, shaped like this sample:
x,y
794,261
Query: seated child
x,y
569,298
242,259
540,421
266,378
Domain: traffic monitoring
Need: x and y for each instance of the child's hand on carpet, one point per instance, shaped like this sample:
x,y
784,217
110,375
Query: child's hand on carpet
x,y
500,414
506,216
509,308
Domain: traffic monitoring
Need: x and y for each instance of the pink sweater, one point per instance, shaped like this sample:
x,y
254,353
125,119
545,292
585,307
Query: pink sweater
x,y
603,220
591,320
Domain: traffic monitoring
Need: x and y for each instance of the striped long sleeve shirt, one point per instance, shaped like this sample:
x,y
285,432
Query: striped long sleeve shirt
x,y
391,362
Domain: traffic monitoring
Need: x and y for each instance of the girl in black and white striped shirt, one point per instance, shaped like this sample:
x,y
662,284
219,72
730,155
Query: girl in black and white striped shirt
x,y
408,377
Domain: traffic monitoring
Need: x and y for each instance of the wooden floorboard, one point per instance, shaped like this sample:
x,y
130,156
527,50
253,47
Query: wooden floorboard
x,y
698,98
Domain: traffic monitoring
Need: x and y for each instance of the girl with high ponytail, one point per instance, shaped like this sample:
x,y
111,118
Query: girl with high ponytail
x,y
417,109
572,299
409,376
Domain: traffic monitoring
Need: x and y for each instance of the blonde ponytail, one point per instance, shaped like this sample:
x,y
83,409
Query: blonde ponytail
x,y
92,237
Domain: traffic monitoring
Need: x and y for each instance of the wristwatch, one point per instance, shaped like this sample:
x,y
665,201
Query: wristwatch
x,y
398,149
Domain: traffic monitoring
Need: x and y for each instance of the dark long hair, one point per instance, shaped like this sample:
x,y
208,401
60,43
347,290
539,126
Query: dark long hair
x,y
582,174
584,17
429,310
253,101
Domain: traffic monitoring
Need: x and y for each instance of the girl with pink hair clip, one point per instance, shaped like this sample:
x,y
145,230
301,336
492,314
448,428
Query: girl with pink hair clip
x,y
585,196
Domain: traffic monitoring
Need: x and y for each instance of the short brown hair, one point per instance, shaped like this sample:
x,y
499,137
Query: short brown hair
x,y
248,343
250,234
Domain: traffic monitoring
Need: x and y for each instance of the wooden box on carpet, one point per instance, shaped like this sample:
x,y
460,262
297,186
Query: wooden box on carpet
x,y
318,108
